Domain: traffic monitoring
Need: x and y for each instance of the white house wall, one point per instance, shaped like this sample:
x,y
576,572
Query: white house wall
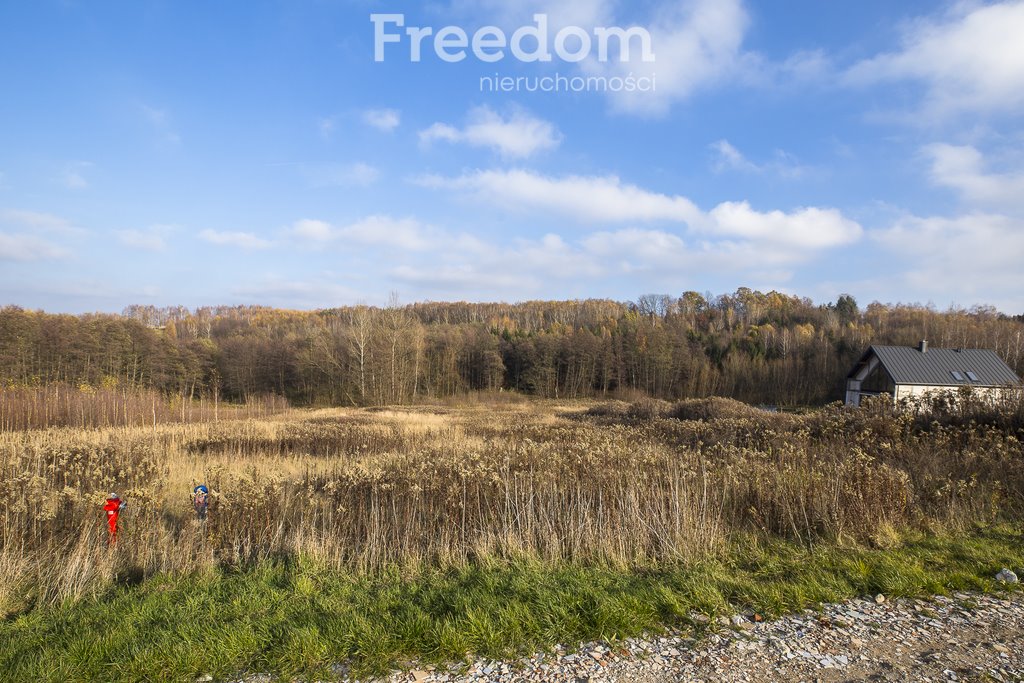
x,y
906,391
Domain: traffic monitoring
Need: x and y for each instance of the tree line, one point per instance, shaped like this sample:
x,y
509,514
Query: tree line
x,y
766,348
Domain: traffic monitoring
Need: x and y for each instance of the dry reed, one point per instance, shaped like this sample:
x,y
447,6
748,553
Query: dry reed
x,y
366,489
61,405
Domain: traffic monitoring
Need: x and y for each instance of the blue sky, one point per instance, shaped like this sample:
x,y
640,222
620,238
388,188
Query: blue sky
x,y
220,153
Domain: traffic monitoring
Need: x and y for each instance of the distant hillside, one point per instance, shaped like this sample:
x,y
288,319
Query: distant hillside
x,y
753,346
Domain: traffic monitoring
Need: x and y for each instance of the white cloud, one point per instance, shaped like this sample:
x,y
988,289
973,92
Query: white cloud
x,y
243,240
385,120
607,199
962,168
511,14
407,234
635,249
22,247
728,158
971,61
955,258
38,221
519,135
684,244
34,236
805,228
552,264
401,233
526,267
586,198
697,44
313,230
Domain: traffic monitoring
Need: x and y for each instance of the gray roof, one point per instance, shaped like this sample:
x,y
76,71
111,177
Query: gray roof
x,y
909,365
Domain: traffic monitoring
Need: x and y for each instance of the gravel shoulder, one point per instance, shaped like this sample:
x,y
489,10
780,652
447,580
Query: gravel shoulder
x,y
963,637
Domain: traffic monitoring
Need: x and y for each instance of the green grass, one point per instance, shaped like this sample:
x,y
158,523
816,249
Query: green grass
x,y
295,618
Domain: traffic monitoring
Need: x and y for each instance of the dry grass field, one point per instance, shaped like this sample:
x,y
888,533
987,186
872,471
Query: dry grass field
x,y
365,489
626,489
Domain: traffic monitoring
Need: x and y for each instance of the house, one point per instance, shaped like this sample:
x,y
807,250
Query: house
x,y
905,371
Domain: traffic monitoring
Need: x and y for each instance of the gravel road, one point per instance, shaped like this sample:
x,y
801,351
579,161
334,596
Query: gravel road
x,y
965,637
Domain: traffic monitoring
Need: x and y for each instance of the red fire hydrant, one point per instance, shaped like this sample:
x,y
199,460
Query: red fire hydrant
x,y
113,508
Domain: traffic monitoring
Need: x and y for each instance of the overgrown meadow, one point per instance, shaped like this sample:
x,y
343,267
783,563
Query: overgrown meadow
x,y
625,486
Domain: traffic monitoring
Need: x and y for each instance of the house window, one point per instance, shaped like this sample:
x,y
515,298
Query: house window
x,y
971,376
957,376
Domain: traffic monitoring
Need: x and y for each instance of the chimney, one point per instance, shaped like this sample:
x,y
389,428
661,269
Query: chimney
x,y
923,346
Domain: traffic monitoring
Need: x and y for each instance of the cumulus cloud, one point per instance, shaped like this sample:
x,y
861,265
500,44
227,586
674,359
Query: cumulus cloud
x,y
385,120
962,168
510,14
588,198
697,44
606,199
806,228
313,230
517,135
242,240
635,249
401,233
379,230
38,221
35,236
31,236
21,247
554,263
407,234
664,238
526,267
953,257
972,60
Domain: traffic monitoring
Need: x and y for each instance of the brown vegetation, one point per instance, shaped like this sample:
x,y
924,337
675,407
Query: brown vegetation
x,y
626,484
60,405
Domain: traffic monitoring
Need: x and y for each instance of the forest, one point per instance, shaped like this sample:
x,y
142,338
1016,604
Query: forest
x,y
761,348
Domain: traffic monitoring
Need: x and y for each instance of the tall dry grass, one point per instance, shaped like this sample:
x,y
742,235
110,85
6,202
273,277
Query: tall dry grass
x,y
626,484
62,405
